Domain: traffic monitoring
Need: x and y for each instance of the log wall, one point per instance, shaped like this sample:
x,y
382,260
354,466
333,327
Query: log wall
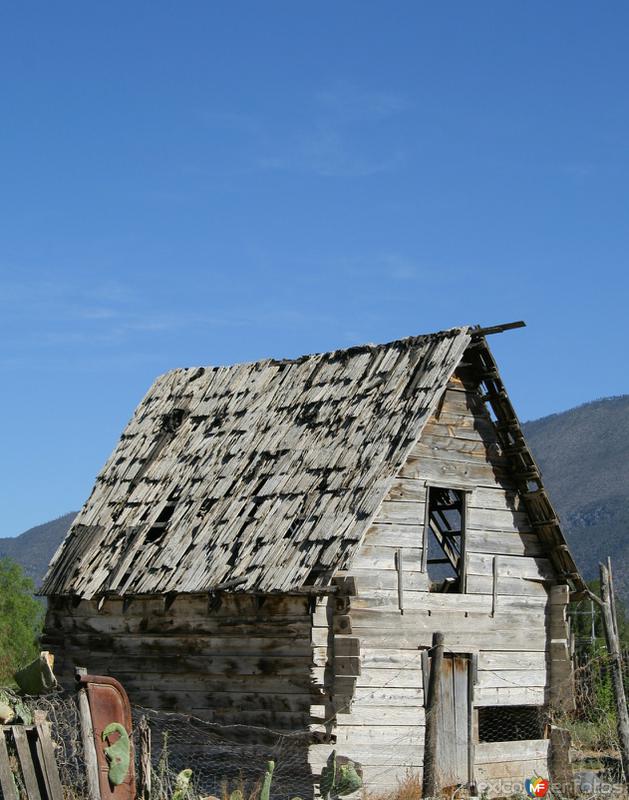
x,y
238,660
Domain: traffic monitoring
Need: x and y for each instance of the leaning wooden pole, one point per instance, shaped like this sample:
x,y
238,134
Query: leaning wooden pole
x,y
613,648
429,787
87,738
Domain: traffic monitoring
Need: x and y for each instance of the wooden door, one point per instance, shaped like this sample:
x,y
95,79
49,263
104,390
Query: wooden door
x,y
454,718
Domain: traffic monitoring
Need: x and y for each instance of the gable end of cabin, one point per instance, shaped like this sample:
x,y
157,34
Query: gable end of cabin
x,y
453,548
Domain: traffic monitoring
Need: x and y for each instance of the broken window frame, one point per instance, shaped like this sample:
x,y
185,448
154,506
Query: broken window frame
x,y
431,531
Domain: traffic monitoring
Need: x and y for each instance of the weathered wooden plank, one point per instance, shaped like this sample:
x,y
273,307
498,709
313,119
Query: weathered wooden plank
x,y
459,473
26,762
371,678
495,497
504,543
509,660
500,752
388,534
383,558
510,566
390,696
496,520
385,735
108,663
512,587
369,580
410,490
415,600
400,512
461,426
510,678
237,606
466,641
7,783
48,762
347,665
506,769
383,658
389,778
382,716
217,646
346,646
435,444
369,756
510,696
366,621
182,626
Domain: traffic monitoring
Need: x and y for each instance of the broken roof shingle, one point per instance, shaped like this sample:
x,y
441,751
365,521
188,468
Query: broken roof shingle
x,y
262,476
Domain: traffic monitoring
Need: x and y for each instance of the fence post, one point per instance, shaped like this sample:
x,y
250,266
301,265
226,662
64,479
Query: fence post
x,y
429,787
87,737
613,648
145,759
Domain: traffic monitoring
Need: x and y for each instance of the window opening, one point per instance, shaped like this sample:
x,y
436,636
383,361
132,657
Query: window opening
x,y
444,539
510,723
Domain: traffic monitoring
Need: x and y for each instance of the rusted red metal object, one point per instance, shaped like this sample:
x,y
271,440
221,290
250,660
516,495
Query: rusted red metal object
x,y
109,703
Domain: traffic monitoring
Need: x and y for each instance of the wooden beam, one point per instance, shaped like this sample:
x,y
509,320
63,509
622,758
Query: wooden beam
x,y
613,648
7,783
477,332
429,787
399,563
87,738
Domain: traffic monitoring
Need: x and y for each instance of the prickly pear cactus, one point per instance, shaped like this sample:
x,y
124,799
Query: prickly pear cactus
x,y
182,784
347,779
338,780
328,776
118,754
266,783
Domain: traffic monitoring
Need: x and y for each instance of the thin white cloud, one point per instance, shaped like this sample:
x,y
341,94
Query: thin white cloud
x,y
347,103
343,133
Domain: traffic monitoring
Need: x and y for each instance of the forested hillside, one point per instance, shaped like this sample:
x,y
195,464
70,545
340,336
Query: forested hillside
x,y
34,548
584,457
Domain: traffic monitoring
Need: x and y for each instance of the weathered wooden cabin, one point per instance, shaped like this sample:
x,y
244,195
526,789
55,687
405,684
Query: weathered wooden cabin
x,y
275,543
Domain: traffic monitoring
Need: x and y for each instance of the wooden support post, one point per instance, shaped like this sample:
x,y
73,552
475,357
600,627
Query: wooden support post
x,y
399,564
613,648
144,791
494,585
429,787
87,738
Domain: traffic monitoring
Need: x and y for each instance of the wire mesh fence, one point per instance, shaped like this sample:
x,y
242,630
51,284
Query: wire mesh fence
x,y
232,759
223,759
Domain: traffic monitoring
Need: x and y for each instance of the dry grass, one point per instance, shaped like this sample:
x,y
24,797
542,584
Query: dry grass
x,y
410,788
245,792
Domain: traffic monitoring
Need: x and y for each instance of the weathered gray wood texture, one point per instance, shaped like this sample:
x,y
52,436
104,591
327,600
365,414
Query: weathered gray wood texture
x,y
273,476
246,660
260,476
511,613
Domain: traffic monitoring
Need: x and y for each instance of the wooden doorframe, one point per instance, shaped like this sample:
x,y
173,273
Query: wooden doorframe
x,y
472,670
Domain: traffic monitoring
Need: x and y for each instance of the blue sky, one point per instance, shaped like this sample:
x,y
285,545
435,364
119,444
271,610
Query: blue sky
x,y
199,183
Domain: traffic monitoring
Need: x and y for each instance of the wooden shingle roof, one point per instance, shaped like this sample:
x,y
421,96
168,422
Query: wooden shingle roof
x,y
260,476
